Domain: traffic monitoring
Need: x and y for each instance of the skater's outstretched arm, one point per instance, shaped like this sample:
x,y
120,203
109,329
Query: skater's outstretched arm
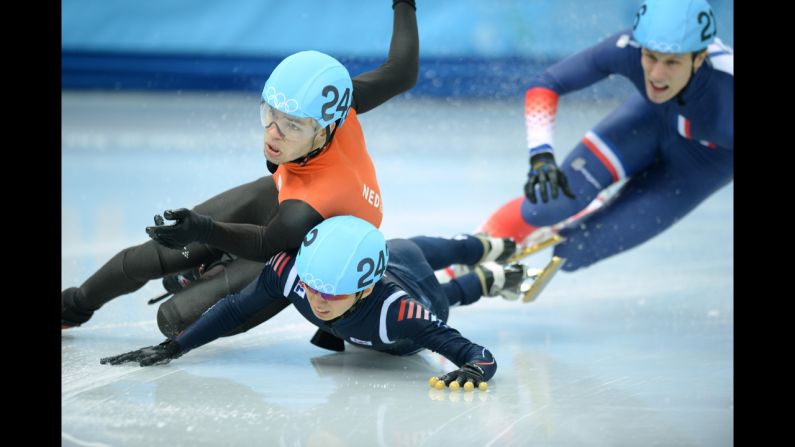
x,y
409,319
614,55
399,73
229,313
255,242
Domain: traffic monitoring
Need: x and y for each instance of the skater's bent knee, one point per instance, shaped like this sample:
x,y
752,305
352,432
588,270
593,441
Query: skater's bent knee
x,y
143,262
168,320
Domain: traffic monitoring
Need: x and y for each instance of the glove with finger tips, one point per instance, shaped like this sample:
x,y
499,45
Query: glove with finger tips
x,y
469,376
544,173
189,227
150,355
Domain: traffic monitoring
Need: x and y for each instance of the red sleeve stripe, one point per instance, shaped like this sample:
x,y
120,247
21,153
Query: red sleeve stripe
x,y
278,261
415,310
402,309
286,260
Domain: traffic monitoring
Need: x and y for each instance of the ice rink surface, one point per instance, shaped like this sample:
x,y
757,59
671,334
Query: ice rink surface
x,y
636,350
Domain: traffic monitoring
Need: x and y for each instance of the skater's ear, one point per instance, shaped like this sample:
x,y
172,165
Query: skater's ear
x,y
322,136
366,292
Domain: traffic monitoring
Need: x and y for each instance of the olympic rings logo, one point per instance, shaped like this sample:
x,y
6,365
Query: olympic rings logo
x,y
280,102
664,47
318,284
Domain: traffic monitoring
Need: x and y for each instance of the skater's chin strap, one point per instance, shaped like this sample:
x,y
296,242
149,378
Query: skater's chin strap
x,y
302,161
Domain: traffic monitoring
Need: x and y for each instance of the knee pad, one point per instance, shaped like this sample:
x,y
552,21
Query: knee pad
x,y
151,260
168,320
142,262
187,305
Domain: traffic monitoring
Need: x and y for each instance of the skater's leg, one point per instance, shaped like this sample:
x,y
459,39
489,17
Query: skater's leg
x,y
186,306
253,202
648,204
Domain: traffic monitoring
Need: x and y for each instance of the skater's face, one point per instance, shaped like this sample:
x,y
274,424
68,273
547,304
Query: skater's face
x,y
288,137
666,74
330,307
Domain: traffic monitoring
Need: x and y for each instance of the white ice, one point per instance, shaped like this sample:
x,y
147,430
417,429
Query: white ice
x,y
635,350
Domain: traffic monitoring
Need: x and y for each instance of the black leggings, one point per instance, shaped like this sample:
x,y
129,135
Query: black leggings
x,y
255,203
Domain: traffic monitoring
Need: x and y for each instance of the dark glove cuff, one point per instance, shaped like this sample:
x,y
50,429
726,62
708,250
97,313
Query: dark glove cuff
x,y
172,348
540,159
410,3
473,368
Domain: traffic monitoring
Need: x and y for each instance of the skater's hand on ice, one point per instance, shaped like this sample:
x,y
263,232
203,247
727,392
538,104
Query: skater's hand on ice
x,y
189,227
469,377
544,173
151,355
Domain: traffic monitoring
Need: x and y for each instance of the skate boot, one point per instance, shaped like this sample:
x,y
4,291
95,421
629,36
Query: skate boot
x,y
72,314
502,280
516,280
495,249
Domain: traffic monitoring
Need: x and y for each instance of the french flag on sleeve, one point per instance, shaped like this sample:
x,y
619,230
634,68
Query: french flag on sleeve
x,y
683,125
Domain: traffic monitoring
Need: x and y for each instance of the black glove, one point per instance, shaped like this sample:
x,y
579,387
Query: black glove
x,y
543,172
189,227
151,355
470,372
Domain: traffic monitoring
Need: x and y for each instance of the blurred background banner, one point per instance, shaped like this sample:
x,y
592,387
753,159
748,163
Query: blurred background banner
x,y
468,48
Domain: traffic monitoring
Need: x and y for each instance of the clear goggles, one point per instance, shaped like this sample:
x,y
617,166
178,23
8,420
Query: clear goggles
x,y
289,126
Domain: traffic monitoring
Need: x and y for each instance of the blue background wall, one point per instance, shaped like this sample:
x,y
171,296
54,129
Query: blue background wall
x,y
468,47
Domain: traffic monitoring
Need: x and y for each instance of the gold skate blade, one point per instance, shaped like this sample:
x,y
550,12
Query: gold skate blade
x,y
555,239
543,279
533,273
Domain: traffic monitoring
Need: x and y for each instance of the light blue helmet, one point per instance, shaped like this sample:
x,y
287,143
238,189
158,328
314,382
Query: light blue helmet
x,y
310,84
342,255
674,26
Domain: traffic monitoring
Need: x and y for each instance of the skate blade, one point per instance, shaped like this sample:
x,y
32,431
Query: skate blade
x,y
553,240
543,278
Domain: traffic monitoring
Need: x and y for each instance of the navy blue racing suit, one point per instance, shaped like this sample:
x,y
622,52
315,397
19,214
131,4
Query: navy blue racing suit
x,y
405,313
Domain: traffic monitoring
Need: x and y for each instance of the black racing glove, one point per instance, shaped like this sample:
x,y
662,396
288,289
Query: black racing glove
x,y
470,372
151,355
544,172
189,227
